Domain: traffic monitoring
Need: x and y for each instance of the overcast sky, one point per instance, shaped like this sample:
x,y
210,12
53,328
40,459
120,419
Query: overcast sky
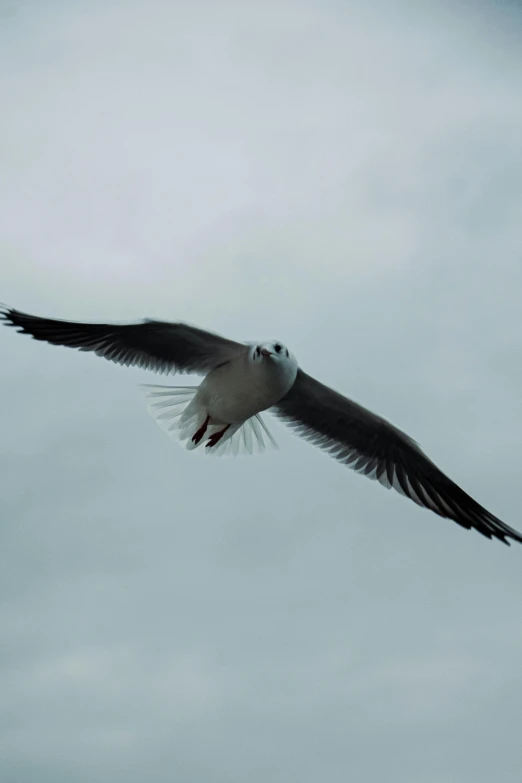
x,y
345,177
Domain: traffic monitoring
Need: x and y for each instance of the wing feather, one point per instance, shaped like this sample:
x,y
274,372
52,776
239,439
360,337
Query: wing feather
x,y
152,345
372,446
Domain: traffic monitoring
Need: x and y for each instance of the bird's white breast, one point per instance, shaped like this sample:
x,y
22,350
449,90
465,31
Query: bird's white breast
x,y
239,389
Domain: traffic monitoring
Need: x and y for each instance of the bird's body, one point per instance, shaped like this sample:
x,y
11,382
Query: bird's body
x,y
241,380
223,411
238,389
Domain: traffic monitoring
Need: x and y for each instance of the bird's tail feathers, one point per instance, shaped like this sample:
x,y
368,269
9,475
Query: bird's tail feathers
x,y
178,413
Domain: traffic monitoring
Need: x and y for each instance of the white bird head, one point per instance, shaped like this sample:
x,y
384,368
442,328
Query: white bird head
x,y
274,355
271,349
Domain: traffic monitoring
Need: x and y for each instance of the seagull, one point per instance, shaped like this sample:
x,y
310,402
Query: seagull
x,y
243,379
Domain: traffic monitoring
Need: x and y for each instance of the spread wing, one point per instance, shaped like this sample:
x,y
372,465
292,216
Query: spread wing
x,y
153,345
374,447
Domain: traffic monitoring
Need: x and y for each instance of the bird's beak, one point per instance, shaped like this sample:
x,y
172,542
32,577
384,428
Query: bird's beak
x,y
264,352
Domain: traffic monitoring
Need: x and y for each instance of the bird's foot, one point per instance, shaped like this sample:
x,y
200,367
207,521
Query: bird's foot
x,y
216,437
199,433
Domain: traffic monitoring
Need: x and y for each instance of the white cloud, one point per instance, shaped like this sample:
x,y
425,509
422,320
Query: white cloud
x,y
344,177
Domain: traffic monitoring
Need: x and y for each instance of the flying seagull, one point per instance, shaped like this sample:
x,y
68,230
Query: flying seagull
x,y
241,380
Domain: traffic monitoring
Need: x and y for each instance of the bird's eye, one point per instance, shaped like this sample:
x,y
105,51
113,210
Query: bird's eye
x,y
277,347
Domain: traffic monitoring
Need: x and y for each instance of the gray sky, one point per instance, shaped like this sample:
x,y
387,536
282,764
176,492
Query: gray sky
x,y
346,178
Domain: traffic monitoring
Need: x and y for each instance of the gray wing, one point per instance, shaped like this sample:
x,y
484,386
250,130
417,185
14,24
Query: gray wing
x,y
153,345
374,447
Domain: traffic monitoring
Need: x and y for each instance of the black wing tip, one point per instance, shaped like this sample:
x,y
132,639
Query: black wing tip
x,y
16,319
489,527
493,527
506,536
5,311
8,315
493,534
496,529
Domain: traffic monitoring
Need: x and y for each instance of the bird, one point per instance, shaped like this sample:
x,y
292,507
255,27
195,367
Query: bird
x,y
241,380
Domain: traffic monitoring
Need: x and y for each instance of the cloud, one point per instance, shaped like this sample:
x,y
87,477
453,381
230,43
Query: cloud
x,y
343,177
